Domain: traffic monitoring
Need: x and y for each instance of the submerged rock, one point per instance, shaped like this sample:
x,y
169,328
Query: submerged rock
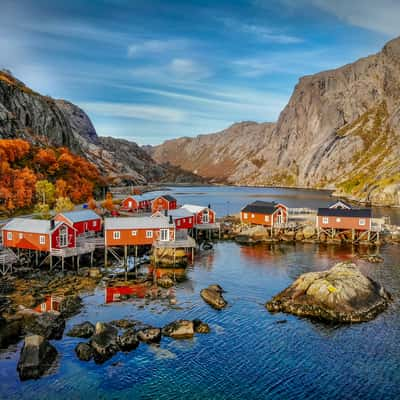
x,y
83,330
104,342
84,351
149,335
200,326
125,323
213,296
181,329
341,294
37,356
70,305
128,340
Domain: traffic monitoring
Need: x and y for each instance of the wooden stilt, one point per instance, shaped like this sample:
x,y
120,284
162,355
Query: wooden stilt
x,y
174,256
77,262
126,261
51,262
105,257
62,263
91,259
36,258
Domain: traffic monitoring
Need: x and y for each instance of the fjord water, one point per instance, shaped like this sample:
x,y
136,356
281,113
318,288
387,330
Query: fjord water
x,y
248,354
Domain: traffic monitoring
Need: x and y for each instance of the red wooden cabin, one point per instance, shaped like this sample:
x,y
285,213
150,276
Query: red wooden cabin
x,y
42,235
137,231
264,213
202,215
83,220
359,219
182,218
137,202
164,202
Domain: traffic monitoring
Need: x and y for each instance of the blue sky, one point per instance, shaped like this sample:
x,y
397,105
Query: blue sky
x,y
153,70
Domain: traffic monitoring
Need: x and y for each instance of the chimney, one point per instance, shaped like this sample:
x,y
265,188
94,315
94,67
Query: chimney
x,y
166,213
170,220
52,224
209,206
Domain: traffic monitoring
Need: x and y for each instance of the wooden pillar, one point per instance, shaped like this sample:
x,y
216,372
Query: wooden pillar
x,y
91,259
62,263
51,262
174,256
105,257
78,263
353,235
126,261
36,258
192,255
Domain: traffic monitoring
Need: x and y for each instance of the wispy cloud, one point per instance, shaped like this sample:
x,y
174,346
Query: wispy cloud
x,y
156,46
178,69
134,111
262,33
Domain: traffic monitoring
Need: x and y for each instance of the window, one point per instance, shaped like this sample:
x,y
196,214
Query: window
x,y
134,233
190,220
21,235
9,235
361,221
205,217
266,218
252,215
94,223
184,219
63,238
178,222
149,234
116,235
164,235
245,215
43,307
42,239
338,219
129,204
325,220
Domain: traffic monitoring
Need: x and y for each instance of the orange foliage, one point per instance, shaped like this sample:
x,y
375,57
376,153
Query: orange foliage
x,y
12,150
108,202
92,203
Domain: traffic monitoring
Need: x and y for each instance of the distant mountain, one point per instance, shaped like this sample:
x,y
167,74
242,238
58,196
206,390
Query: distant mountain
x,y
45,121
340,130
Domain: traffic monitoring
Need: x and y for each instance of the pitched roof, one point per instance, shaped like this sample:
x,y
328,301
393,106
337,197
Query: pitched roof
x,y
143,196
81,215
344,212
137,223
262,207
193,209
168,197
180,213
30,225
338,203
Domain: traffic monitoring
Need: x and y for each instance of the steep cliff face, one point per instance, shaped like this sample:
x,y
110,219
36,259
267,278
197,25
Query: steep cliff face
x,y
46,121
340,130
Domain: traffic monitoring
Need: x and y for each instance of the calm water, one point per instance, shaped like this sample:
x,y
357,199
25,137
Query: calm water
x,y
247,354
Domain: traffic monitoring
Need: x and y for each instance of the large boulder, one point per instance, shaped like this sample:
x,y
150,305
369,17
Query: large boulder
x,y
308,232
200,326
149,335
84,351
37,356
213,296
10,331
70,305
341,294
50,324
83,330
181,329
128,340
104,342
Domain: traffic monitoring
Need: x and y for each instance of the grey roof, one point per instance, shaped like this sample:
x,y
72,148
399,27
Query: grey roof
x,y
180,213
192,208
344,212
262,207
29,225
137,223
81,215
168,197
143,196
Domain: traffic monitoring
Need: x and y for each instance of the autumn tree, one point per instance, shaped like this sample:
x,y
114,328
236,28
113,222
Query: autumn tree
x,y
108,202
64,204
61,188
45,192
42,210
92,203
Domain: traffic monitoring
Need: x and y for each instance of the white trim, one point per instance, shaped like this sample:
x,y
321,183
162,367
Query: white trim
x,y
149,234
116,235
325,220
134,233
361,221
42,239
9,236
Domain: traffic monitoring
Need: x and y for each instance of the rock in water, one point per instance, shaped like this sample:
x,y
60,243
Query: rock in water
x,y
50,324
37,356
213,296
200,326
181,329
104,342
149,335
10,331
84,351
70,305
341,294
83,330
128,340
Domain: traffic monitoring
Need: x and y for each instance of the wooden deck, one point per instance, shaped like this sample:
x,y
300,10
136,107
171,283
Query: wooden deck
x,y
205,227
83,248
7,259
187,243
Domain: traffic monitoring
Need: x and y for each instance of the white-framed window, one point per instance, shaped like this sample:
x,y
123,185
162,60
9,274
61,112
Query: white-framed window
x,y
149,234
42,239
43,307
361,221
9,235
94,223
129,204
245,215
164,235
21,235
184,219
178,222
338,219
266,218
252,215
325,220
134,233
116,235
190,220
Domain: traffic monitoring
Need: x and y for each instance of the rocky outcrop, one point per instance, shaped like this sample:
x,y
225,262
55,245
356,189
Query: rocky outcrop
x,y
50,324
45,121
104,342
181,329
84,330
37,356
340,130
149,335
341,294
200,326
128,341
84,351
213,296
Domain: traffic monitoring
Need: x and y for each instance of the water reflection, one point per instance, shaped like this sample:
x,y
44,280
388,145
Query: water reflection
x,y
51,303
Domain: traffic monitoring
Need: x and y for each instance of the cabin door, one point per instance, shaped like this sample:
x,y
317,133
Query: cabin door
x,y
205,218
63,237
164,235
279,218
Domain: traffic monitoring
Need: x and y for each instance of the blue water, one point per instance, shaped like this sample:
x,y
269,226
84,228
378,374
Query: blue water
x,y
247,355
